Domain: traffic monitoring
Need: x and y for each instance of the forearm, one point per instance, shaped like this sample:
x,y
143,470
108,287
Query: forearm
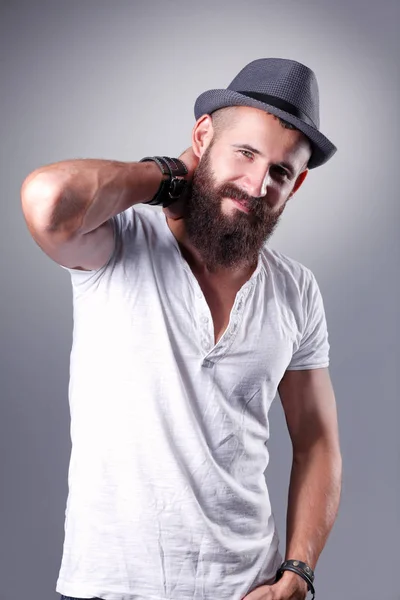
x,y
77,196
313,502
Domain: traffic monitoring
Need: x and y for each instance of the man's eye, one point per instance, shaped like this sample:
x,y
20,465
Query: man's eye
x,y
280,172
247,153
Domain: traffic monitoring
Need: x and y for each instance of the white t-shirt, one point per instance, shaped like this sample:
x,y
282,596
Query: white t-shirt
x,y
167,494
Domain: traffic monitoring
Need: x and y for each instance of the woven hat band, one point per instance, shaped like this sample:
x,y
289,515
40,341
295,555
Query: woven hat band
x,y
279,103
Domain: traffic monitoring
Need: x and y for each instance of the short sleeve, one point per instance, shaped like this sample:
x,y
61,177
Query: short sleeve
x,y
86,274
313,350
122,223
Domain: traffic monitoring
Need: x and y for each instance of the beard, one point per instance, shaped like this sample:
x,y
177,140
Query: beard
x,y
226,240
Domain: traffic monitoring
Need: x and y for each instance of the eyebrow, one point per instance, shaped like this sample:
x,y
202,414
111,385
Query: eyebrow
x,y
285,165
248,147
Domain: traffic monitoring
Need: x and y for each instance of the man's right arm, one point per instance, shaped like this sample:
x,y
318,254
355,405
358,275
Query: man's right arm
x,y
68,206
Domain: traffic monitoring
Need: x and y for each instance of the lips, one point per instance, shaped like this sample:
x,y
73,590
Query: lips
x,y
241,204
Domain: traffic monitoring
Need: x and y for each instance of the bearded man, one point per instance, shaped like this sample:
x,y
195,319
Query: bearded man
x,y
186,325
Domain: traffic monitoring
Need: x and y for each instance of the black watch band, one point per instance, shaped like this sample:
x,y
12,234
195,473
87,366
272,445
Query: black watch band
x,y
172,188
301,569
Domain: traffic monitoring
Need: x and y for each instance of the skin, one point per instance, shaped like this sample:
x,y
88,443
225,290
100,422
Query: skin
x,y
307,396
258,175
77,233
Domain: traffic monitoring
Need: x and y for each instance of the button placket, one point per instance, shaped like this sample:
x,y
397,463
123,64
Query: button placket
x,y
239,303
203,322
235,320
202,315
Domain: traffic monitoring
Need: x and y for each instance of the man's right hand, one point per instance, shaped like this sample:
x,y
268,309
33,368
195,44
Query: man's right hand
x,y
175,210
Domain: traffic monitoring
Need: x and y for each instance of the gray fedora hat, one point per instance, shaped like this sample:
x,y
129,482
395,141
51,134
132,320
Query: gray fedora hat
x,y
282,87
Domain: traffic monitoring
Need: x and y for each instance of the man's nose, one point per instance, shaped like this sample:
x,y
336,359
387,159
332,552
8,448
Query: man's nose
x,y
255,184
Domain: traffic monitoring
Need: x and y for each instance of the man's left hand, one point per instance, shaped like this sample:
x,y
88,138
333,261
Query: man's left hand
x,y
289,587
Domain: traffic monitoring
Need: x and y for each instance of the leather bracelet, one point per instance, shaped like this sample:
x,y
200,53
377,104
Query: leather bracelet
x,y
172,188
301,569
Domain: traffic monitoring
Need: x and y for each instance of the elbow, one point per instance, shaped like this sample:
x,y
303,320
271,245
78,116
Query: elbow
x,y
41,195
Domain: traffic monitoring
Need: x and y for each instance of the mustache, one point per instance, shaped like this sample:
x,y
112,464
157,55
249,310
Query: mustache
x,y
232,191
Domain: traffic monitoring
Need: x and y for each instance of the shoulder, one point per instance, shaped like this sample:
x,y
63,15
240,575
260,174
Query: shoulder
x,y
147,212
283,268
140,214
142,225
293,282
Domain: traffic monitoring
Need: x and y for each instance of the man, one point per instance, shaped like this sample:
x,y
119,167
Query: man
x,y
186,324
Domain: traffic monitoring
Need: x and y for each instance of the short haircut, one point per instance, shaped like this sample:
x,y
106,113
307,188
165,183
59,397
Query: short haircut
x,y
226,117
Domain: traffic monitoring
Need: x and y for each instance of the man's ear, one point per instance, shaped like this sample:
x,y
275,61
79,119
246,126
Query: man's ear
x,y
299,182
202,135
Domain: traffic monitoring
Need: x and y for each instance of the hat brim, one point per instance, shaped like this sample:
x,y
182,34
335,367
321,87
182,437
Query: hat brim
x,y
212,100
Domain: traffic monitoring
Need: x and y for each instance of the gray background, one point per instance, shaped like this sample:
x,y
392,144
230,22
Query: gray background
x,y
118,80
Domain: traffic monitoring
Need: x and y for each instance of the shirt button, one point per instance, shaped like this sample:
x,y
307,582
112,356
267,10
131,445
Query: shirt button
x,y
204,320
207,363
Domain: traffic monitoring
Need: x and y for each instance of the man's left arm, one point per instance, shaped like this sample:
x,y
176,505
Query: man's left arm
x,y
309,404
